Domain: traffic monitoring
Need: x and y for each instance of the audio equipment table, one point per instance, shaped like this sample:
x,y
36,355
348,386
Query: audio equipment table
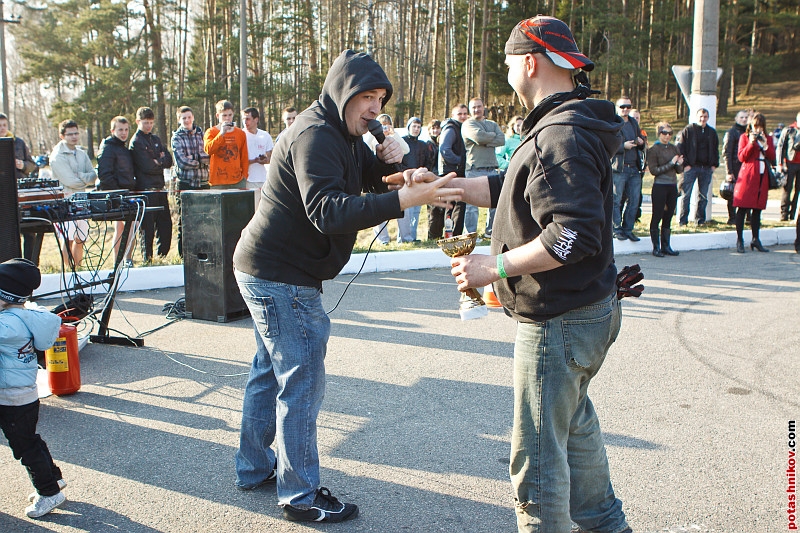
x,y
42,215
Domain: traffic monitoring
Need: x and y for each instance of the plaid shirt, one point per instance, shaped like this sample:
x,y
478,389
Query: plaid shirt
x,y
187,147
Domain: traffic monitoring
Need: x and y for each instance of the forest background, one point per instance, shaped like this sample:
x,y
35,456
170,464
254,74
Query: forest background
x,y
91,60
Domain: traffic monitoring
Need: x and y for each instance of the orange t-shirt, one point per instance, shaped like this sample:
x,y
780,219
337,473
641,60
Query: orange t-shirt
x,y
229,161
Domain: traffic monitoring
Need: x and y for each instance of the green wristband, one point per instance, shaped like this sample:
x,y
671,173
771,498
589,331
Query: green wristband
x,y
500,269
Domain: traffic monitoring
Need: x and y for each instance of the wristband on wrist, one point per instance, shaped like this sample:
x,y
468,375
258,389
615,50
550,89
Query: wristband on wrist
x,y
500,268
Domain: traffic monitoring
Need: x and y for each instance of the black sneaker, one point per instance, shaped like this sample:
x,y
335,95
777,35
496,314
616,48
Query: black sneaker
x,y
632,237
326,508
620,236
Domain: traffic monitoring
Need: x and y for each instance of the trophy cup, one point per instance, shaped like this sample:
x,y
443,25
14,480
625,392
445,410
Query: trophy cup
x,y
471,304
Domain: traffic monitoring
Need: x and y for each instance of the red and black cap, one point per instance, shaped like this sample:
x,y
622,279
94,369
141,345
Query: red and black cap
x,y
547,35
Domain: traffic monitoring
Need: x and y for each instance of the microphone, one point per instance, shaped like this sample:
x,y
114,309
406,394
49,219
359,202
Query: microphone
x,y
376,129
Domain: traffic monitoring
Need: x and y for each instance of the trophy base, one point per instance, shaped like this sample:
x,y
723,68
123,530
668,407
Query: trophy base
x,y
473,311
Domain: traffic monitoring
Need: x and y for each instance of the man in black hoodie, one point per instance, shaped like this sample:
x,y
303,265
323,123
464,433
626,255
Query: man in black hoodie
x,y
553,270
303,233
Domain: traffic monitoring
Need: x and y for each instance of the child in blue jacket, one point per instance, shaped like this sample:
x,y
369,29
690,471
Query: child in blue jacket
x,y
22,330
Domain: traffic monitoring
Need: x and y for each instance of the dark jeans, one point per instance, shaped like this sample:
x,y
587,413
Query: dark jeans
x,y
183,186
435,222
664,198
456,214
788,200
32,245
19,427
156,225
702,175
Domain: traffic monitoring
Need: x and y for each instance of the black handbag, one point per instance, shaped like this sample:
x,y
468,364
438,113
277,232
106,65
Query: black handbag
x,y
777,179
726,190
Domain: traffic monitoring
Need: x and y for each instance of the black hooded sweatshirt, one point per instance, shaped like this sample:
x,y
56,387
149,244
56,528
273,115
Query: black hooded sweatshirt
x,y
311,204
558,187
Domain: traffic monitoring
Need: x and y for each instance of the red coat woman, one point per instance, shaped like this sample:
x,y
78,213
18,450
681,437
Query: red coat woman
x,y
752,185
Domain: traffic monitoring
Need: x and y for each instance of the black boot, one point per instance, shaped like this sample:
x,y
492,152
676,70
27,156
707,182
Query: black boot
x,y
755,244
740,245
665,247
656,243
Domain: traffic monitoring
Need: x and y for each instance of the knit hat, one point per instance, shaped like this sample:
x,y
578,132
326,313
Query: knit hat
x,y
18,279
547,35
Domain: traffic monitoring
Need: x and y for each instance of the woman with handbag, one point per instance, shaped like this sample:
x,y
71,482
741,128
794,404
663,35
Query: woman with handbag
x,y
755,152
664,163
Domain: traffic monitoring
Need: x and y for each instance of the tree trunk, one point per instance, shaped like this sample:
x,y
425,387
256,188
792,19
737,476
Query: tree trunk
x,y
448,54
648,91
482,83
158,66
469,83
435,65
752,57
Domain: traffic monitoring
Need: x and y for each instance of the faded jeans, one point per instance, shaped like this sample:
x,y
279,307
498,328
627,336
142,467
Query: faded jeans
x,y
285,389
627,184
472,212
703,177
559,470
407,226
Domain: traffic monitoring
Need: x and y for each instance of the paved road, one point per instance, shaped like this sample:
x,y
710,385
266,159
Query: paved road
x,y
694,400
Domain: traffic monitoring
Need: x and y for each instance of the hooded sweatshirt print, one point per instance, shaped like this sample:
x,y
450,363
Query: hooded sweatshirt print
x,y
559,188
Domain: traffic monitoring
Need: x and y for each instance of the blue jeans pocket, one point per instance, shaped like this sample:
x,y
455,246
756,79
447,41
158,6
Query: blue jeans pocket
x,y
268,319
586,340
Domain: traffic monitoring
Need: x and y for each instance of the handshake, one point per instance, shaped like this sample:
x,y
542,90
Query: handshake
x,y
420,186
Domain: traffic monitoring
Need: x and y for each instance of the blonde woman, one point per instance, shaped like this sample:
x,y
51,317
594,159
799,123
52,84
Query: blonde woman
x,y
664,163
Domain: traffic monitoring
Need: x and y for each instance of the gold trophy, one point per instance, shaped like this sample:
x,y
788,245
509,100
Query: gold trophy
x,y
471,304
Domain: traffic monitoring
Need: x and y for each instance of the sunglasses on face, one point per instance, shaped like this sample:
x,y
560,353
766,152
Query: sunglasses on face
x,y
664,132
625,106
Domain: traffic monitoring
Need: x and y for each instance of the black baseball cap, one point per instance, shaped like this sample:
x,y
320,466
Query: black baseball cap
x,y
547,35
18,279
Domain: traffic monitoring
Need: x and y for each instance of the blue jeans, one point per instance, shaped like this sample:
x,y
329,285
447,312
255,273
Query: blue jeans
x,y
285,388
627,183
381,231
407,226
471,213
703,177
559,470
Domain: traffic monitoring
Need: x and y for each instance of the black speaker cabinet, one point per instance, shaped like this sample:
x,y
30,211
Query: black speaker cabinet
x,y
9,207
212,223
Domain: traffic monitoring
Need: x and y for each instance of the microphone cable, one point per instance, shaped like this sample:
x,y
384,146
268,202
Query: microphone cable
x,y
376,129
364,262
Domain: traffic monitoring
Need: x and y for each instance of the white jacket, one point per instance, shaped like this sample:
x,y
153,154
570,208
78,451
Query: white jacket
x,y
74,171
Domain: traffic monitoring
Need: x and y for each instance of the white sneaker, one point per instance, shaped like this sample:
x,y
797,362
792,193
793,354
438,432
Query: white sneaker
x,y
44,504
61,486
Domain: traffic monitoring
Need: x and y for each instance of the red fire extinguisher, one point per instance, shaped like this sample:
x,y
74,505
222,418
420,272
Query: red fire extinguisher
x,y
63,364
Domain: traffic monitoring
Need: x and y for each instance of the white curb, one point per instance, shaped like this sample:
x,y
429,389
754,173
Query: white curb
x,y
147,278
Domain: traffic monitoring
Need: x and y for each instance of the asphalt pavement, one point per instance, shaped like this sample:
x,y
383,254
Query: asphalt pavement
x,y
694,400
